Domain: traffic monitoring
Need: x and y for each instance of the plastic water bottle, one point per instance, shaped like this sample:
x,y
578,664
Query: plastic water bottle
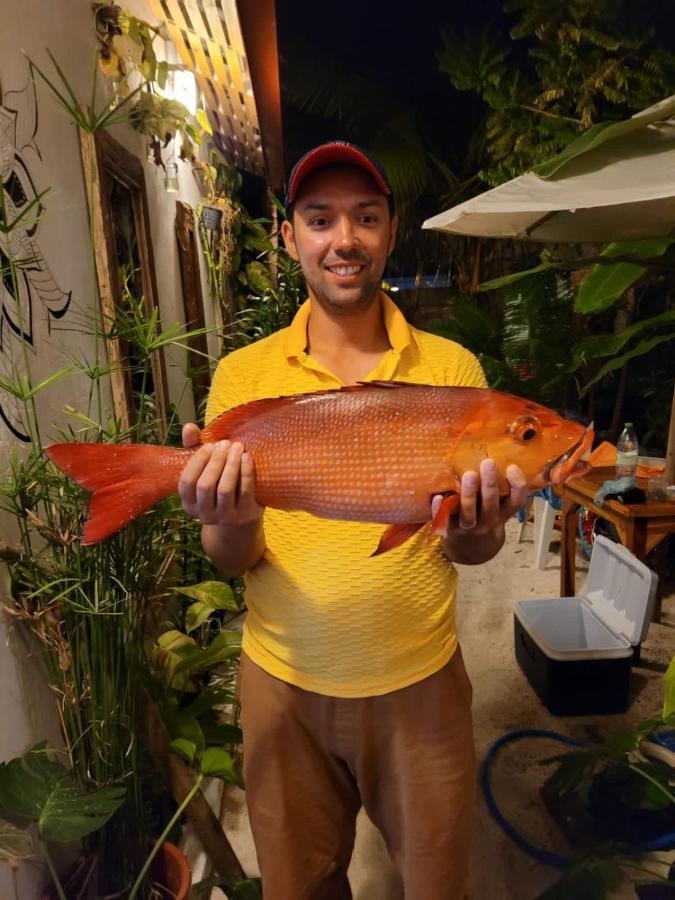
x,y
627,453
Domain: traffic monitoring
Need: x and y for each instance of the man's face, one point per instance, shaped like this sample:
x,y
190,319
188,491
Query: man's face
x,y
341,233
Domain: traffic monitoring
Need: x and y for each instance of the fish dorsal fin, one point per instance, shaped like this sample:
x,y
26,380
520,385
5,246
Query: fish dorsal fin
x,y
229,422
391,384
470,389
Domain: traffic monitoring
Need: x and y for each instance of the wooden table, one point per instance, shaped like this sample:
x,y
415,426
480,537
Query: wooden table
x,y
641,526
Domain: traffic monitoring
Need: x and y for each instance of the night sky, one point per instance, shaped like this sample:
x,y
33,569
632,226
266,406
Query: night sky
x,y
395,44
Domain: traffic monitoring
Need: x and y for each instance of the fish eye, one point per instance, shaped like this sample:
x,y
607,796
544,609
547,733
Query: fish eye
x,y
524,429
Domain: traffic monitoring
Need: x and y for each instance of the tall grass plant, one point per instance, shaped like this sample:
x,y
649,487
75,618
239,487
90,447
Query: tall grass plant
x,y
90,608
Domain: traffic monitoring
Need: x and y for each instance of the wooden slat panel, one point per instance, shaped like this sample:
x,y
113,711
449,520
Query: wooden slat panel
x,y
221,79
231,18
244,102
215,62
186,57
213,17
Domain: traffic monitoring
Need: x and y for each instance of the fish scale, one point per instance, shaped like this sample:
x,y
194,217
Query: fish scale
x,y
352,438
373,452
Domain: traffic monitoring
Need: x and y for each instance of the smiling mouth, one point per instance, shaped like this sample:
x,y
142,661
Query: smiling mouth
x,y
346,270
569,465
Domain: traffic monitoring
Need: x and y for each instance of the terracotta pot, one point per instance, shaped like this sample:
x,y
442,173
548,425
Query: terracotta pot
x,y
169,870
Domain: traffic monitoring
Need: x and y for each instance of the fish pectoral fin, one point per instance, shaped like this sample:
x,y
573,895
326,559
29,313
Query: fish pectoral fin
x,y
396,535
448,507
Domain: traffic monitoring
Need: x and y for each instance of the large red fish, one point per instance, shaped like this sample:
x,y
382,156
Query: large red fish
x,y
372,452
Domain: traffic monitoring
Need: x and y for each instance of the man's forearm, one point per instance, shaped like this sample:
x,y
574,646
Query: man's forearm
x,y
470,548
234,548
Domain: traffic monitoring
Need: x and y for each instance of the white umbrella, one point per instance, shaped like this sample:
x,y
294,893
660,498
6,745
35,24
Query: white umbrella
x,y
614,183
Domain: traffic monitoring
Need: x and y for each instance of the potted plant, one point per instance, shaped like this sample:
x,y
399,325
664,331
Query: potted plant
x,y
195,661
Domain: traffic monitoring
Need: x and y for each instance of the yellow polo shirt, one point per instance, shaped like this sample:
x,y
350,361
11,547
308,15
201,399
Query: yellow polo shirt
x,y
322,614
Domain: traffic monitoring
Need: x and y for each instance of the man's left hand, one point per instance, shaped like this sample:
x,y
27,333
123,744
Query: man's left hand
x,y
477,533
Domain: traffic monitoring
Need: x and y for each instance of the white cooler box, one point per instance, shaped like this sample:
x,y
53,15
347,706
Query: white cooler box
x,y
577,651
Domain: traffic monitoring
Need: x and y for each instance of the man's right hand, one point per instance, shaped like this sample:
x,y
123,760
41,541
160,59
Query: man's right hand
x,y
217,486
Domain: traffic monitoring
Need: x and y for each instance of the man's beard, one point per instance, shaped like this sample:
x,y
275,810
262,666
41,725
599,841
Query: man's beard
x,y
332,301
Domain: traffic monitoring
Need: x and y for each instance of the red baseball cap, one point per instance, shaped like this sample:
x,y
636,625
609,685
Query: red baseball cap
x,y
328,154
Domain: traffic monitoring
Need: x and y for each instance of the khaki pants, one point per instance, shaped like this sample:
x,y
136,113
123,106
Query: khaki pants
x,y
310,761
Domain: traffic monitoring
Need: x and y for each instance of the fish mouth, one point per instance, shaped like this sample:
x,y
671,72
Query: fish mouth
x,y
569,465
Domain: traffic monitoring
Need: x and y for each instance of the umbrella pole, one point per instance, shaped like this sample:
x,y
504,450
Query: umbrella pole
x,y
670,452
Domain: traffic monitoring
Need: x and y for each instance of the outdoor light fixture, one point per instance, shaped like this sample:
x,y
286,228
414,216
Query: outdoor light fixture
x,y
171,178
183,89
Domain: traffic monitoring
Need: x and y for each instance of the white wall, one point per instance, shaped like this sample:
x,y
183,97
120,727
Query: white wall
x,y
66,28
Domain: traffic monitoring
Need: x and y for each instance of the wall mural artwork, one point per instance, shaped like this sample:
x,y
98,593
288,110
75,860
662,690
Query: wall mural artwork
x,y
34,289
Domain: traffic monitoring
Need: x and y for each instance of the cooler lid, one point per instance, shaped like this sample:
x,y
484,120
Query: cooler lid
x,y
620,589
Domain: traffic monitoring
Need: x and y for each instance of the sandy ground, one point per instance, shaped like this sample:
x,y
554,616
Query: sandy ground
x,y
503,700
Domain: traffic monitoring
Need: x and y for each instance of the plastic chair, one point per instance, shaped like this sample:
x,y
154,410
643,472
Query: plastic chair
x,y
544,520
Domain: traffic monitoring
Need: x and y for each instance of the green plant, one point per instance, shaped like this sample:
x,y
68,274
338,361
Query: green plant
x,y
126,54
563,68
37,790
577,768
475,326
513,343
255,282
213,762
194,668
597,876
195,664
626,791
219,245
272,304
90,608
624,315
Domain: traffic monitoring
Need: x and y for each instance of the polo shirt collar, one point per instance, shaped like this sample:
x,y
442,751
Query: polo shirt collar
x,y
398,330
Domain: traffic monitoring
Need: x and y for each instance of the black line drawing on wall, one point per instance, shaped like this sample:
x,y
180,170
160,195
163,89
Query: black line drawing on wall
x,y
34,289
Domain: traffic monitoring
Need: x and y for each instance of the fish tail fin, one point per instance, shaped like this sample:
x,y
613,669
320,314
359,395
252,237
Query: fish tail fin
x,y
124,480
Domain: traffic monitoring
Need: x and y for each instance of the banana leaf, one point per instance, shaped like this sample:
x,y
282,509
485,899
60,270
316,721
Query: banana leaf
x,y
606,283
604,131
616,363
598,345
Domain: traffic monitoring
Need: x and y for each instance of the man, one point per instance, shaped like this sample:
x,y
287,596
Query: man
x,y
353,688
